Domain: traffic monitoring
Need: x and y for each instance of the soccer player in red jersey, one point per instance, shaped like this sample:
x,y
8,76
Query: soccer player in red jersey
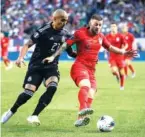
x,y
131,45
88,41
116,61
4,50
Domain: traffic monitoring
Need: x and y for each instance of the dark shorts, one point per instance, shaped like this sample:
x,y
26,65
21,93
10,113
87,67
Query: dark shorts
x,y
36,76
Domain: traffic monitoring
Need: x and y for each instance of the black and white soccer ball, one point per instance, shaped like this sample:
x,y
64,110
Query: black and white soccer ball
x,y
105,123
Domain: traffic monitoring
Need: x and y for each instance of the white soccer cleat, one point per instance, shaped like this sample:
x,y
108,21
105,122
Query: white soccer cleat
x,y
121,88
33,120
133,75
9,66
86,111
82,122
6,116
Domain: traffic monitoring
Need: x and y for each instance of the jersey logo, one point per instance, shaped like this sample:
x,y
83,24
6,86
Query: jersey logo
x,y
117,39
29,78
51,38
100,41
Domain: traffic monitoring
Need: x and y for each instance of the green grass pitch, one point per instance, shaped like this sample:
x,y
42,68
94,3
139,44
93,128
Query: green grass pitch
x,y
126,107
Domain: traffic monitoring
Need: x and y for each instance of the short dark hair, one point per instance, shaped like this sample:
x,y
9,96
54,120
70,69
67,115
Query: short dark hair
x,y
113,22
97,17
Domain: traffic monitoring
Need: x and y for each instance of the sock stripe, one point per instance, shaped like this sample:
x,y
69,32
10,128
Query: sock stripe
x,y
29,92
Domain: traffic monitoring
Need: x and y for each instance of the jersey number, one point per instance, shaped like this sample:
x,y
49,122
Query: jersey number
x,y
55,46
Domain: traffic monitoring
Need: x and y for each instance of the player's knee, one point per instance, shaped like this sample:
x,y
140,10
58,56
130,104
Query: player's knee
x,y
113,69
48,95
52,86
51,79
30,87
91,93
84,83
121,72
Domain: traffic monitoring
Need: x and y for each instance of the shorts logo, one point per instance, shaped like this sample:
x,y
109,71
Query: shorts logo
x,y
29,78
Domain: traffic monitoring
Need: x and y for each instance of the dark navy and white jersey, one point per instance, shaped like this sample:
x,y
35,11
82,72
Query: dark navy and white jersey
x,y
47,41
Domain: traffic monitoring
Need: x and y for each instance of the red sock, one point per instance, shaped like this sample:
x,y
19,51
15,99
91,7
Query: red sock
x,y
83,97
131,68
126,70
121,80
116,74
6,62
89,103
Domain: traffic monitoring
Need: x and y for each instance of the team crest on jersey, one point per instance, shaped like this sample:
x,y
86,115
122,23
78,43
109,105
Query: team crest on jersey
x,y
117,39
126,37
63,39
29,78
100,41
51,38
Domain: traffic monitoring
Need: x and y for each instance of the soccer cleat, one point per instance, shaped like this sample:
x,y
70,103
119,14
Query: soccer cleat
x,y
117,78
86,111
121,88
6,116
133,75
33,120
9,66
82,122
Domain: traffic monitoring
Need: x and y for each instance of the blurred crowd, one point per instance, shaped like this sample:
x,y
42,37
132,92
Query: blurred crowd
x,y
20,18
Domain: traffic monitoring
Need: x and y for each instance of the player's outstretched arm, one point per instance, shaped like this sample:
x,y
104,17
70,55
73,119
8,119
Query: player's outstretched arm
x,y
23,52
58,52
130,53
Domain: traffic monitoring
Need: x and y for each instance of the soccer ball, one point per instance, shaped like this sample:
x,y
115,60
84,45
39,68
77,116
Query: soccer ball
x,y
105,123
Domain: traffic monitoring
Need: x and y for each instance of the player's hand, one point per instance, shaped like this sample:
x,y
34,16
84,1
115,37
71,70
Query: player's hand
x,y
131,53
20,62
48,59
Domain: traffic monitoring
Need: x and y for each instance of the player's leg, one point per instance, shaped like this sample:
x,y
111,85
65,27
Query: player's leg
x,y
92,90
31,83
130,66
51,82
6,61
120,65
81,78
114,69
126,68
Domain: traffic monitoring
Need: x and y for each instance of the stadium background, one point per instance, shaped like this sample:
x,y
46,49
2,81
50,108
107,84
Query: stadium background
x,y
21,18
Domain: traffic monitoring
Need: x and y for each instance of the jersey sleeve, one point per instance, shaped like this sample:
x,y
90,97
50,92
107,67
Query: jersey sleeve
x,y
105,43
73,39
35,37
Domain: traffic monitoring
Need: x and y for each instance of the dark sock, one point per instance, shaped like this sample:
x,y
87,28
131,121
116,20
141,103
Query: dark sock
x,y
22,99
44,100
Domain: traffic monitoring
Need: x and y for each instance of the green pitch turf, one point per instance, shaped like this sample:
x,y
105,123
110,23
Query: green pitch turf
x,y
126,107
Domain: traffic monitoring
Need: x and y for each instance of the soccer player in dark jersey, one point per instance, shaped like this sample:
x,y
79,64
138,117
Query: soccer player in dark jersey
x,y
47,40
89,41
116,61
130,39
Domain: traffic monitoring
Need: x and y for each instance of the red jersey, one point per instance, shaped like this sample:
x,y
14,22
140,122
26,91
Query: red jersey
x,y
129,39
88,46
4,43
116,40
